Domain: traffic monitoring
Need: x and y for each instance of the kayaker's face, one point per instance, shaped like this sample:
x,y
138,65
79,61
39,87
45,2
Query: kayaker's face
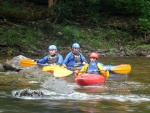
x,y
92,59
52,52
75,50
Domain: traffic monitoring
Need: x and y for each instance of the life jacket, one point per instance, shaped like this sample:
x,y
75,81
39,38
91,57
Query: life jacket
x,y
93,68
52,59
77,57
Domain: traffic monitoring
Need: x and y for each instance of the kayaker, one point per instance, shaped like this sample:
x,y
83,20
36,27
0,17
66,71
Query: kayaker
x,y
93,67
74,58
52,58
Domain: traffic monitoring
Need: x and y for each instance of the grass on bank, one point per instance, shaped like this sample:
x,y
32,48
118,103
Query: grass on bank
x,y
19,39
26,38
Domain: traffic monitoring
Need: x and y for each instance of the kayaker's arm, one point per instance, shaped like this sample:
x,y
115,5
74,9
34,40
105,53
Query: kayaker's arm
x,y
103,71
83,59
83,70
43,60
66,60
60,60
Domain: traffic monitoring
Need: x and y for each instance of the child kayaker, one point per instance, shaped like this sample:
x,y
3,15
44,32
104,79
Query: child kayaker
x,y
93,67
74,58
52,58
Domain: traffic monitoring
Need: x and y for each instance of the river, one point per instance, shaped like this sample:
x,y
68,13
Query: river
x,y
130,96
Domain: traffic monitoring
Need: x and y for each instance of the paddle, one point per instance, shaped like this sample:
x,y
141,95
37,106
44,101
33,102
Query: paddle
x,y
28,62
61,72
51,68
56,70
105,73
121,69
77,66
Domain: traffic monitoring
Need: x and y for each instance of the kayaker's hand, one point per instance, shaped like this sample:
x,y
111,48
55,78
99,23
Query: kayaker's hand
x,y
84,63
54,64
64,65
77,64
105,73
36,60
76,71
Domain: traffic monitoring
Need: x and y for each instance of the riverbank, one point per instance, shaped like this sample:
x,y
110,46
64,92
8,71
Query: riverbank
x,y
32,38
35,43
111,34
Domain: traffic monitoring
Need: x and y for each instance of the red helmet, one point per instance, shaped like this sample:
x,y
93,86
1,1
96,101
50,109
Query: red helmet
x,y
94,55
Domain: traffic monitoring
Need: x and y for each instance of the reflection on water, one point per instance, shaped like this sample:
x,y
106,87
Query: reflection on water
x,y
132,95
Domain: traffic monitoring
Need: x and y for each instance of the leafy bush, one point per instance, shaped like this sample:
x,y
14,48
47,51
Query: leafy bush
x,y
27,39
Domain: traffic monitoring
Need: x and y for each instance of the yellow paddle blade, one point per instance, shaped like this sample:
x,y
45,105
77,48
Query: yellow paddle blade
x,y
122,69
62,72
51,68
27,62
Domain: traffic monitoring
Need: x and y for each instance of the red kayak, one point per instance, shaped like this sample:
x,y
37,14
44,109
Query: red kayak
x,y
87,79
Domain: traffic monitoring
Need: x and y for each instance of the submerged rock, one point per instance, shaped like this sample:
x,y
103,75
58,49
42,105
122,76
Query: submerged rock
x,y
1,67
58,85
13,67
27,93
14,64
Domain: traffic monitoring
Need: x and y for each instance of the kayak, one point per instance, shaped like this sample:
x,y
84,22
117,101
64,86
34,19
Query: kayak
x,y
57,71
117,77
51,68
109,67
87,79
75,68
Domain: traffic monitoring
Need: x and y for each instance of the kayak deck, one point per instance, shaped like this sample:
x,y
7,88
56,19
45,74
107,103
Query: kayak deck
x,y
89,79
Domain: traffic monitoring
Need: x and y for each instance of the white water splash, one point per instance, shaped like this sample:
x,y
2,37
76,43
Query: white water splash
x,y
83,96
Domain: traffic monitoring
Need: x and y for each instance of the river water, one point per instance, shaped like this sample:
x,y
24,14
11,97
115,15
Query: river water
x,y
129,96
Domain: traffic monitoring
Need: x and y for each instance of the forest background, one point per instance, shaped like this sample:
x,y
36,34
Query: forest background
x,y
30,26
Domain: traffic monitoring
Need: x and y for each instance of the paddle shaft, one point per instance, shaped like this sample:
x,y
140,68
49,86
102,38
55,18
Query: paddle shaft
x,y
28,62
92,71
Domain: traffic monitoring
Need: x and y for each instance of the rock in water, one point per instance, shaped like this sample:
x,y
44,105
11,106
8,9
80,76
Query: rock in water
x,y
58,85
27,93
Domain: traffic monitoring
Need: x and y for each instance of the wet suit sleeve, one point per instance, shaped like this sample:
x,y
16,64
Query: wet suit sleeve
x,y
102,70
83,59
83,70
60,60
66,59
43,60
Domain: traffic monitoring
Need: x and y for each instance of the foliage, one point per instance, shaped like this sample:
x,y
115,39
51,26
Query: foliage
x,y
68,34
13,4
69,18
94,38
25,39
144,46
139,9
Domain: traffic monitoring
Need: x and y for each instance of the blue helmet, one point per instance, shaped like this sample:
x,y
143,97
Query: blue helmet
x,y
75,45
52,47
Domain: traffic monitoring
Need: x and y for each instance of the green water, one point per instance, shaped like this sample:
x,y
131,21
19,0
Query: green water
x,y
131,96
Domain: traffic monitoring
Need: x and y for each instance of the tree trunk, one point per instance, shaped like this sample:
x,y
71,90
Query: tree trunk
x,y
51,4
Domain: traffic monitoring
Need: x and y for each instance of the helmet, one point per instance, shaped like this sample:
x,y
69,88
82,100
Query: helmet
x,y
94,55
75,45
52,47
